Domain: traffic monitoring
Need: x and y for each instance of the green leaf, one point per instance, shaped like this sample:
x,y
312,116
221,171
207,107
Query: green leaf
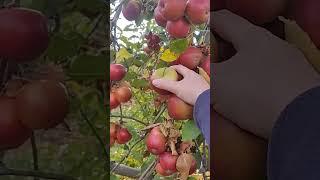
x,y
139,83
89,67
190,131
179,45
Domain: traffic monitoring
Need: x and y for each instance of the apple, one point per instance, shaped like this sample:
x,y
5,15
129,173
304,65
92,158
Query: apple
x,y
161,171
114,103
117,72
168,162
123,94
131,10
306,13
159,18
198,11
174,9
156,141
205,65
178,109
12,132
191,57
113,129
123,136
166,73
258,12
23,34
179,28
42,104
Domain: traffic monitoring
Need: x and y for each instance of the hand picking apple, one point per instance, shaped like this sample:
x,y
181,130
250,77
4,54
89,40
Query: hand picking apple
x,y
188,89
269,89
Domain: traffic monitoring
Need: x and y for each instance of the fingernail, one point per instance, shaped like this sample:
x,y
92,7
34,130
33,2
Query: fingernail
x,y
156,82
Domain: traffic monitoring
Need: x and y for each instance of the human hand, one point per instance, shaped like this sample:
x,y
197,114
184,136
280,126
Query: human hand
x,y
188,89
266,74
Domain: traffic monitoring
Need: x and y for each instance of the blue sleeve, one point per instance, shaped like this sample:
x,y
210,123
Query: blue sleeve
x,y
201,114
294,148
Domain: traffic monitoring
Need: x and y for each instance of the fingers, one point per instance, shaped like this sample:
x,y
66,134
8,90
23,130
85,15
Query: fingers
x,y
184,71
231,27
165,84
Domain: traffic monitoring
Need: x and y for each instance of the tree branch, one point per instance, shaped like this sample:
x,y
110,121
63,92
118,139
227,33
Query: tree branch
x,y
124,170
132,118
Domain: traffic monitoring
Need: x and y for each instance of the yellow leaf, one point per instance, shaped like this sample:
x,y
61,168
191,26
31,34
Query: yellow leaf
x,y
169,56
122,54
204,75
295,35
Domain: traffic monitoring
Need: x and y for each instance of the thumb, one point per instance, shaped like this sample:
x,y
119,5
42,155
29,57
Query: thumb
x,y
165,85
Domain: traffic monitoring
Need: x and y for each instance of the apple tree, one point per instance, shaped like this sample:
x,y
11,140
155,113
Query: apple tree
x,y
152,131
53,63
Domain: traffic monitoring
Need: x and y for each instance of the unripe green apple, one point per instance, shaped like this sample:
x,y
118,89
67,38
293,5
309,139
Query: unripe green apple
x,y
167,73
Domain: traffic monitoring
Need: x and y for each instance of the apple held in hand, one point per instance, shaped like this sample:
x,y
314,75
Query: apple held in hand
x,y
205,65
117,72
12,132
156,141
178,109
167,73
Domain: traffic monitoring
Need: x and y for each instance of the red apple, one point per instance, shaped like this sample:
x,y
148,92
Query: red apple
x,y
258,12
23,34
205,65
156,142
161,171
191,57
168,162
114,103
42,104
117,72
167,73
123,136
174,9
159,18
178,109
123,94
131,10
198,11
12,132
306,13
179,28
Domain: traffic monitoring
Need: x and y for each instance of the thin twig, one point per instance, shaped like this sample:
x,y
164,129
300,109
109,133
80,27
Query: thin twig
x,y
132,118
128,153
148,170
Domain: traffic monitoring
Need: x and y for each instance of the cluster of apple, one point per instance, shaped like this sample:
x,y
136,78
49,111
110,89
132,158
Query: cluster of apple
x,y
191,58
170,160
120,93
265,13
40,104
178,15
119,134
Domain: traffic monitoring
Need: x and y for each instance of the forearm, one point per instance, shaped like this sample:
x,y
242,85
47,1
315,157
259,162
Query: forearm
x,y
201,114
